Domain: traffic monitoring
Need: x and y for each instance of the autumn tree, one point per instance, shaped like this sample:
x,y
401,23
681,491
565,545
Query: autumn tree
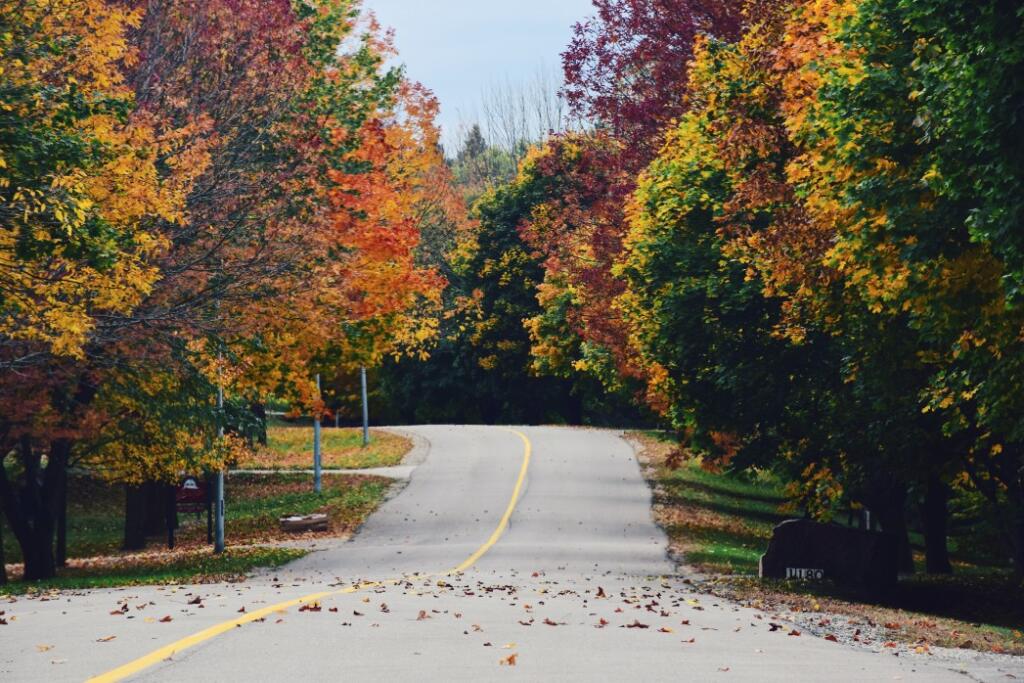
x,y
627,66
913,162
301,163
78,175
84,184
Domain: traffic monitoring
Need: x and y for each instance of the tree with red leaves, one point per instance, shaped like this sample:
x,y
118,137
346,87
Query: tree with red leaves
x,y
626,68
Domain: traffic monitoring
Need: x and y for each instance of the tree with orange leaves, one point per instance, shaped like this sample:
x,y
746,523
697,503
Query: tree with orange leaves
x,y
300,164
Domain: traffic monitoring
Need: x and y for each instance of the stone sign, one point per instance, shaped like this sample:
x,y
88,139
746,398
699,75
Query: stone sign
x,y
803,550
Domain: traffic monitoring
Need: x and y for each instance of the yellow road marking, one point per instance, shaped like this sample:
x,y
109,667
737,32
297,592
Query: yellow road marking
x,y
157,656
503,524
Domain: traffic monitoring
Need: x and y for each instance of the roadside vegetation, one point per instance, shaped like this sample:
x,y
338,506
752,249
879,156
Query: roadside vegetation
x,y
198,565
719,524
290,447
254,503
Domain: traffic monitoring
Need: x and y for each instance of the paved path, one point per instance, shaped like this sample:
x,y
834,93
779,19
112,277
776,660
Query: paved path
x,y
577,587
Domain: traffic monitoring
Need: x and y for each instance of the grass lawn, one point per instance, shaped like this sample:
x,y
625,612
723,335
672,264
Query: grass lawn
x,y
192,566
253,504
290,447
720,524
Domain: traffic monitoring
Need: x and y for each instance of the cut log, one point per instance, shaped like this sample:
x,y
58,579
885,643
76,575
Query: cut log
x,y
300,523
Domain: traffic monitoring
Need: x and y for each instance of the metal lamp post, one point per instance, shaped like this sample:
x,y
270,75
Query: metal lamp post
x,y
316,444
366,408
218,486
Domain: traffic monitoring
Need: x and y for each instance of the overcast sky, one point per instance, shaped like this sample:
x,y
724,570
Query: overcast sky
x,y
459,48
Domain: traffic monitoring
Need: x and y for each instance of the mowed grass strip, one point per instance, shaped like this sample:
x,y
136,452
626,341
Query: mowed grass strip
x,y
290,447
151,569
254,503
720,524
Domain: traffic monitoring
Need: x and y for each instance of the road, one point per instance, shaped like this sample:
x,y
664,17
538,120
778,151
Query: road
x,y
561,570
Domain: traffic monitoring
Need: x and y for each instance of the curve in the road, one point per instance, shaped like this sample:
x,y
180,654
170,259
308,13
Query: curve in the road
x,y
159,655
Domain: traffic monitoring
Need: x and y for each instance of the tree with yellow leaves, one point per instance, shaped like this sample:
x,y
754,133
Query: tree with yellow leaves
x,y
79,177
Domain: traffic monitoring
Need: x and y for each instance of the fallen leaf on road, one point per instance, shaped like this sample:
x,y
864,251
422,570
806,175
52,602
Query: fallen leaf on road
x,y
311,607
105,639
44,648
422,615
508,646
166,619
602,623
685,622
723,668
332,609
773,626
601,593
194,601
794,632
889,644
551,623
356,614
510,660
665,629
923,649
384,607
477,627
526,623
487,644
241,610
690,641
636,624
831,638
150,620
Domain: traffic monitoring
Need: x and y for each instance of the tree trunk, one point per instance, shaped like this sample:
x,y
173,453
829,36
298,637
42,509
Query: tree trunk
x,y
1018,551
260,411
62,519
1016,510
155,514
39,559
170,513
134,518
3,560
936,515
892,515
31,508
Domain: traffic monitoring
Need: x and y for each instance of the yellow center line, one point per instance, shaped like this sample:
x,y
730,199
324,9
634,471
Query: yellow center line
x,y
159,655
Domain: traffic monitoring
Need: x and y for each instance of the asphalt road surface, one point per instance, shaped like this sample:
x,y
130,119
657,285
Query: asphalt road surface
x,y
524,554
